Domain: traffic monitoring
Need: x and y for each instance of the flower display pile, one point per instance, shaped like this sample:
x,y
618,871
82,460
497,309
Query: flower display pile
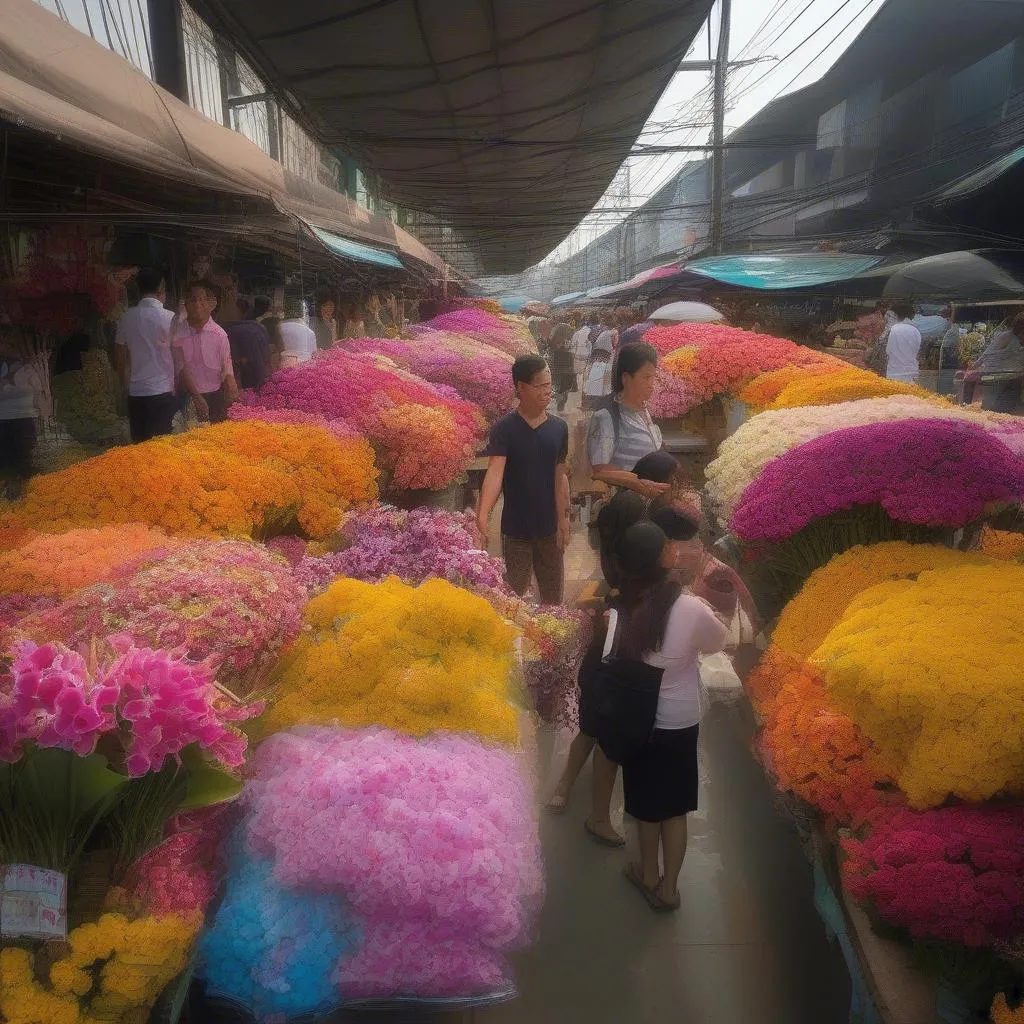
x,y
228,602
742,456
410,659
242,479
59,564
712,359
427,436
766,387
114,970
846,385
339,428
937,693
483,377
413,545
672,396
1003,1013
954,874
922,472
84,399
419,861
498,332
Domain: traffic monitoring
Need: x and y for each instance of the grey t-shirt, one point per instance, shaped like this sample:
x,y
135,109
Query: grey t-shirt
x,y
639,435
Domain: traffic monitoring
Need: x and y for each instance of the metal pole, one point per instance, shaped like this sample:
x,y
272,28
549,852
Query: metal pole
x,y
718,142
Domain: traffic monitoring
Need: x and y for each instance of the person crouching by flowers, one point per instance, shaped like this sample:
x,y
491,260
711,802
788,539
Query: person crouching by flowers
x,y
527,453
202,354
666,628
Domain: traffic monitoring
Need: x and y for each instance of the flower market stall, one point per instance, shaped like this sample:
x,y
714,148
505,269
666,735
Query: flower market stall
x,y
888,700
285,717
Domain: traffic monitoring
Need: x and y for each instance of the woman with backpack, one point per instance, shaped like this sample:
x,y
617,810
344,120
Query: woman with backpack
x,y
621,430
660,627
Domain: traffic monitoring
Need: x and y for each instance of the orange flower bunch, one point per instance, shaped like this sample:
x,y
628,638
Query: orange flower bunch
x,y
844,385
1005,545
766,387
59,564
244,479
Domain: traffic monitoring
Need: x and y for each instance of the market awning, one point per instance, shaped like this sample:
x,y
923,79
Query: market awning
x,y
506,119
981,178
356,250
982,275
567,298
56,80
768,272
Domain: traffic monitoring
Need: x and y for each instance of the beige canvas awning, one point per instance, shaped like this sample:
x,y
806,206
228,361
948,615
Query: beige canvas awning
x,y
56,80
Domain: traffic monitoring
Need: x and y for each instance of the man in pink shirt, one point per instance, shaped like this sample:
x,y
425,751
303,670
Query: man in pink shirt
x,y
202,354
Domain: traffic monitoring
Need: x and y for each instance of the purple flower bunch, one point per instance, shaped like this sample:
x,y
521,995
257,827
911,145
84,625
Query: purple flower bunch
x,y
928,472
433,843
413,545
338,427
156,702
672,396
231,602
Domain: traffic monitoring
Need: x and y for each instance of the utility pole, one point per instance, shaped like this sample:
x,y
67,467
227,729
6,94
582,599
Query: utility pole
x,y
718,140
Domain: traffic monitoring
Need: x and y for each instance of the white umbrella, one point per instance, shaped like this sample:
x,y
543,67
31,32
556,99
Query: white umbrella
x,y
687,312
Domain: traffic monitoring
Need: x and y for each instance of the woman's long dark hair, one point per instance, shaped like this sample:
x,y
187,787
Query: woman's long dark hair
x,y
644,607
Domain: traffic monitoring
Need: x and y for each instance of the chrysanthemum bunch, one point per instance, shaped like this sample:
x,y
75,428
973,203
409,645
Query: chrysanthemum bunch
x,y
1003,544
241,479
742,456
113,971
937,692
923,472
846,385
505,334
58,564
228,602
953,874
411,659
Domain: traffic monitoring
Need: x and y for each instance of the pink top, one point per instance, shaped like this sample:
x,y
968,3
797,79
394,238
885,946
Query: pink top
x,y
206,352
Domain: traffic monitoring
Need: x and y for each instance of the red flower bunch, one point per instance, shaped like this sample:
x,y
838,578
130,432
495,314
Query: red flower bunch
x,y
955,873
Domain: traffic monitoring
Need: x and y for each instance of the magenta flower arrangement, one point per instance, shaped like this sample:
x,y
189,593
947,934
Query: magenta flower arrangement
x,y
341,429
230,602
405,830
482,326
955,873
157,704
672,396
923,472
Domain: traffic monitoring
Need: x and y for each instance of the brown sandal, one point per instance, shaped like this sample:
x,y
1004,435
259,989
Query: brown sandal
x,y
635,877
616,842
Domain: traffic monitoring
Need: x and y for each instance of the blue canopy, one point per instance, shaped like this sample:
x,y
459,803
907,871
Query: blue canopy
x,y
564,300
356,250
767,272
513,303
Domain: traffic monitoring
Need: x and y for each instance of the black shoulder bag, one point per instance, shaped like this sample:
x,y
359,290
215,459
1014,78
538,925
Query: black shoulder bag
x,y
625,701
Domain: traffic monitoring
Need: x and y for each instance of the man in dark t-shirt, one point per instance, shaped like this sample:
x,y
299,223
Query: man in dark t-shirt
x,y
527,454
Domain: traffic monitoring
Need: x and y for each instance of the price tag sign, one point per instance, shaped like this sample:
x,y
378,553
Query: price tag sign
x,y
33,902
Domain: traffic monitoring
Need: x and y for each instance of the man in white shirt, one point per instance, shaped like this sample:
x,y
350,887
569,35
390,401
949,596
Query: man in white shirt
x,y
298,342
144,360
581,349
903,346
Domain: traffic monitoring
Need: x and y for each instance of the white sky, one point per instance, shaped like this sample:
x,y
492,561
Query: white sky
x,y
759,28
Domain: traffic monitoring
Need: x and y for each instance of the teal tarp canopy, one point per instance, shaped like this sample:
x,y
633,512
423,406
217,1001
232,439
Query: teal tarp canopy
x,y
356,250
769,273
564,300
981,178
513,303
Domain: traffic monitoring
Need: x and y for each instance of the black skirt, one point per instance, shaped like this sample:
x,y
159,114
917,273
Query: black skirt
x,y
661,781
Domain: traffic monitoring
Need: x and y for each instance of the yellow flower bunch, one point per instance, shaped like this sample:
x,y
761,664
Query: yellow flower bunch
x,y
846,385
233,479
59,564
938,691
114,972
412,659
766,387
1001,1012
1005,545
824,598
681,360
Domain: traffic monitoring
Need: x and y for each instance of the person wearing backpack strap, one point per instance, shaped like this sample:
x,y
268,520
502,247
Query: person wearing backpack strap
x,y
621,431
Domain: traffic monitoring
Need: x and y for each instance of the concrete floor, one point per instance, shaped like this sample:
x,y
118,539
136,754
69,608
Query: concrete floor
x,y
747,945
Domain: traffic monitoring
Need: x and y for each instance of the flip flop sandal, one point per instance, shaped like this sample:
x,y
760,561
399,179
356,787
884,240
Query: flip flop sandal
x,y
557,805
616,844
660,906
635,878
